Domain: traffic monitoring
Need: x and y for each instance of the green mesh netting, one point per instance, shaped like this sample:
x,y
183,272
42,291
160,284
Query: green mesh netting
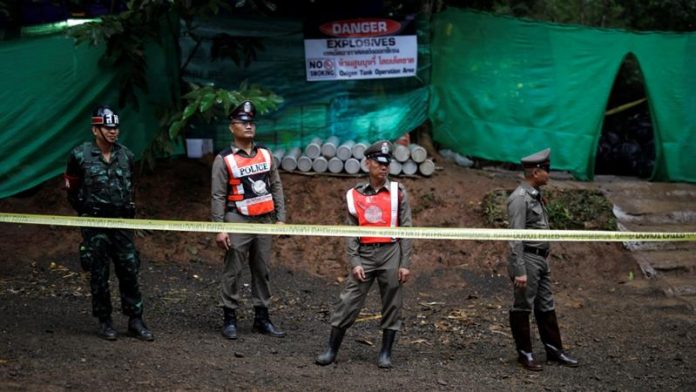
x,y
504,88
48,89
358,110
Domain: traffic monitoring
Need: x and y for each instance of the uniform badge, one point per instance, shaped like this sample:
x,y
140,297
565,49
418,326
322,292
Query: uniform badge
x,y
385,148
259,187
247,107
373,214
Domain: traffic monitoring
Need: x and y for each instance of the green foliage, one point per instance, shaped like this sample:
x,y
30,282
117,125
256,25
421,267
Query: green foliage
x,y
568,210
125,36
209,103
664,15
495,208
580,209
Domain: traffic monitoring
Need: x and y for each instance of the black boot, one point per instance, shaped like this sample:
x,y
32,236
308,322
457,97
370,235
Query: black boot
x,y
519,324
137,328
106,329
229,326
263,324
388,336
329,356
551,337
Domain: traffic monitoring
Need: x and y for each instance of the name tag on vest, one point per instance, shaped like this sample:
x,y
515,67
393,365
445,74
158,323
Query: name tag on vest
x,y
253,169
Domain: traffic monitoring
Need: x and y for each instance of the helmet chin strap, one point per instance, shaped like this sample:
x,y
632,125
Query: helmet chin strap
x,y
103,137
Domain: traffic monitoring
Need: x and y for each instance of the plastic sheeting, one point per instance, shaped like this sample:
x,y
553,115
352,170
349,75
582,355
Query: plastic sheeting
x,y
48,89
504,88
357,110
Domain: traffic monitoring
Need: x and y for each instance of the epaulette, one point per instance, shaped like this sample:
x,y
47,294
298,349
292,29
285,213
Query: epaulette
x,y
226,151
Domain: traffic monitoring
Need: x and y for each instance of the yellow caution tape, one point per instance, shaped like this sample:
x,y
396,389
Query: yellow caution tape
x,y
431,233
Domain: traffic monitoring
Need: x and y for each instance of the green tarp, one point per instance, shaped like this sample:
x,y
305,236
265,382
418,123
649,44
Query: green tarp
x,y
504,88
358,110
501,88
48,88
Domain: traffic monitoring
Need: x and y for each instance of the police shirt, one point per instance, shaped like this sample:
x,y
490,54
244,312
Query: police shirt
x,y
353,243
526,210
220,181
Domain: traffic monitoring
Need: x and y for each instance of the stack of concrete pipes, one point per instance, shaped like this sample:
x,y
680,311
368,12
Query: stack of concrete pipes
x,y
335,157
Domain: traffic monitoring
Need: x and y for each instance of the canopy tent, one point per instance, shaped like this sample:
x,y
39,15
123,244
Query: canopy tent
x,y
504,88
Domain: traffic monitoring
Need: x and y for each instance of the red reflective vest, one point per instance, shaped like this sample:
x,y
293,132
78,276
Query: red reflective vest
x,y
249,185
381,210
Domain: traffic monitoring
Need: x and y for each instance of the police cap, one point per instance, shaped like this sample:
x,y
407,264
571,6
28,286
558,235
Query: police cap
x,y
380,151
245,111
540,159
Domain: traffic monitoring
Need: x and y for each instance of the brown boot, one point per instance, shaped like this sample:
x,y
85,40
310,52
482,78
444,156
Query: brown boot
x,y
551,337
519,324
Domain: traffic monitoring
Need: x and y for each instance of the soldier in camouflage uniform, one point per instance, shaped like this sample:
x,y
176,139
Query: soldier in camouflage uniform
x,y
528,266
99,183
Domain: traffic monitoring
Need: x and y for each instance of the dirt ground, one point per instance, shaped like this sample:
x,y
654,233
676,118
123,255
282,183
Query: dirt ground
x,y
626,333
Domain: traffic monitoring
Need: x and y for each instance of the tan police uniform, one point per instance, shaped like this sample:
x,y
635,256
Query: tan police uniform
x,y
527,210
381,262
246,188
380,257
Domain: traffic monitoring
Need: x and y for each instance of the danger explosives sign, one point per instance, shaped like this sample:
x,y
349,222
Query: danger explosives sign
x,y
363,48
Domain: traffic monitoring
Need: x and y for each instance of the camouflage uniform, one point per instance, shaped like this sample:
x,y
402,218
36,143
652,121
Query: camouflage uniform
x,y
106,190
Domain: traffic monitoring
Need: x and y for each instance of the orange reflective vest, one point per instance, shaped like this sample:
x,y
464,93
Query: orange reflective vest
x,y
249,185
379,210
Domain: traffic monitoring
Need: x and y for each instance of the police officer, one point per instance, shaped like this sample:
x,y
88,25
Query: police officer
x,y
377,203
99,183
528,266
246,188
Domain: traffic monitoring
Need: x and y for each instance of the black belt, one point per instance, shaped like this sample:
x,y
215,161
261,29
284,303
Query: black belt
x,y
537,251
376,244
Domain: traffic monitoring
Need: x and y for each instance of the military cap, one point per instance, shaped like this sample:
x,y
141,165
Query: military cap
x,y
245,111
540,159
380,151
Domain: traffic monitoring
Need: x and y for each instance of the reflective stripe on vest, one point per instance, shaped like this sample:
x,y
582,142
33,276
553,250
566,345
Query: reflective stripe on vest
x,y
248,180
377,210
